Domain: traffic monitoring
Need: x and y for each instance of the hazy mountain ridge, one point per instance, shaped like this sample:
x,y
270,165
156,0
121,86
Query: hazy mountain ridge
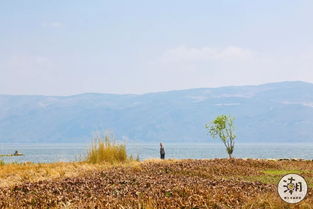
x,y
270,112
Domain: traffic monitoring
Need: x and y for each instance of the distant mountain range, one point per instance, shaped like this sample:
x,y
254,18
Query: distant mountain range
x,y
275,112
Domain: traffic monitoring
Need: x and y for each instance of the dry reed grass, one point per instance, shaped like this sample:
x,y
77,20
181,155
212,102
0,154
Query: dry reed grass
x,y
105,149
17,173
104,153
218,183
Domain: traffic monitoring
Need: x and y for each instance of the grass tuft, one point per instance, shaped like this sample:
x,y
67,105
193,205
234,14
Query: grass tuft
x,y
105,149
281,172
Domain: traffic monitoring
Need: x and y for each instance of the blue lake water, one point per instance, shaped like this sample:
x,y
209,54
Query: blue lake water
x,y
73,152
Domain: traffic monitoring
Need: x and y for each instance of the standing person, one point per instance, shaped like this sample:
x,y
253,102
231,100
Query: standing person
x,y
162,151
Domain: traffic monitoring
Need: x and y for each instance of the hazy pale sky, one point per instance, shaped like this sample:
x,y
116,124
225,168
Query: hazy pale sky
x,y
65,47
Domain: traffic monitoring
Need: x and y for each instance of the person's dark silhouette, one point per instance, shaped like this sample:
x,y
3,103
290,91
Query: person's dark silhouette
x,y
162,151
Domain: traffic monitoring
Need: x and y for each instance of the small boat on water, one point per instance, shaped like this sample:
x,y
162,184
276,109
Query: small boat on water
x,y
16,153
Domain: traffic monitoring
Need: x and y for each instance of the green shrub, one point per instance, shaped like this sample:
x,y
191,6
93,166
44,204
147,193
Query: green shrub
x,y
2,162
105,149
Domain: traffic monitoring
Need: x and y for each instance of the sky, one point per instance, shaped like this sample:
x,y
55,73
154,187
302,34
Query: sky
x,y
66,47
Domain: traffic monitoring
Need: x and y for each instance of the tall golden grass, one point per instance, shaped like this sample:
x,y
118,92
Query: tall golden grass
x,y
105,149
